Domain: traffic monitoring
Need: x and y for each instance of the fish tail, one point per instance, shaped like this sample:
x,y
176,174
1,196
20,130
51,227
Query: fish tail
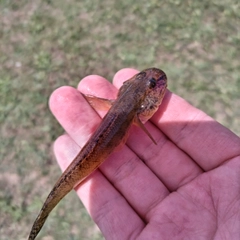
x,y
61,189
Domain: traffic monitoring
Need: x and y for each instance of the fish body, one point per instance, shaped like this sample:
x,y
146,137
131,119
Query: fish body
x,y
138,99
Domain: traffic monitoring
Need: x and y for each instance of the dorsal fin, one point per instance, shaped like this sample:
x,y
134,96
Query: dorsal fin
x,y
99,103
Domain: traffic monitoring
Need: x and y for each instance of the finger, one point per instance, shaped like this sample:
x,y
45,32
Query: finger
x,y
205,140
100,198
74,113
123,75
97,86
172,165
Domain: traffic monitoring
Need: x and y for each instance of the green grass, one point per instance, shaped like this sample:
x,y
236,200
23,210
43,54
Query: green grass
x,y
47,44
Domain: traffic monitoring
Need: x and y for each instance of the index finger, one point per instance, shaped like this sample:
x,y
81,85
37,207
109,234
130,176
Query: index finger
x,y
201,137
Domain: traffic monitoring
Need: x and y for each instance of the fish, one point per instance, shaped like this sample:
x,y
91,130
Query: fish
x,y
137,100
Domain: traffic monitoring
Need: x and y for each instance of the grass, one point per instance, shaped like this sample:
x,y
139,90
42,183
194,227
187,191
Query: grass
x,y
47,44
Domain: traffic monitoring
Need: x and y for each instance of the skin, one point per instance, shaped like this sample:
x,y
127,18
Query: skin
x,y
138,99
190,180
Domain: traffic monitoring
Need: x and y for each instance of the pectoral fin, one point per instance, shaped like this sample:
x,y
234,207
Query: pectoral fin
x,y
138,122
97,103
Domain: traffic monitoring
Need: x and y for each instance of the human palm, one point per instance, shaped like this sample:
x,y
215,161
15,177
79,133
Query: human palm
x,y
185,187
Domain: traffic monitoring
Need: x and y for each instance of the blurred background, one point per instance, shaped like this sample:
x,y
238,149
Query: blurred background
x,y
46,44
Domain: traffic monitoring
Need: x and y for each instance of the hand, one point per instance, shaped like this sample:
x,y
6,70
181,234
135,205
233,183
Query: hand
x,y
186,187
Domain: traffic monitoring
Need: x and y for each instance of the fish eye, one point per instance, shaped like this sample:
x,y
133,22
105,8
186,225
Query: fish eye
x,y
152,83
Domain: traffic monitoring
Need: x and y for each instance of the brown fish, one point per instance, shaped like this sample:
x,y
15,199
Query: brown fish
x,y
138,99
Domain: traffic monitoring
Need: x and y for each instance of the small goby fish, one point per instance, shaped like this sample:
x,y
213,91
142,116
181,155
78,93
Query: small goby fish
x,y
138,99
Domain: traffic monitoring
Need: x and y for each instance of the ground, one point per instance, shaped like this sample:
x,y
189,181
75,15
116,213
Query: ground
x,y
47,44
